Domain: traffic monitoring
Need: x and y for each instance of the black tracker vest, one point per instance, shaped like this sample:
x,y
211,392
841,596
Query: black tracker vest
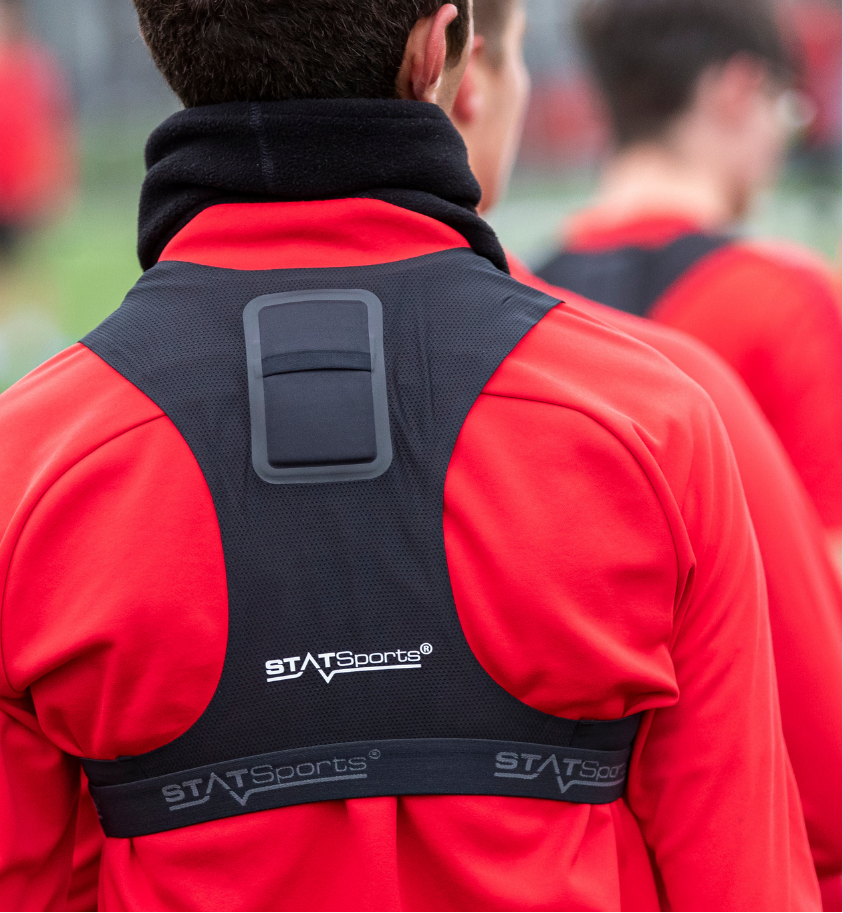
x,y
630,279
323,406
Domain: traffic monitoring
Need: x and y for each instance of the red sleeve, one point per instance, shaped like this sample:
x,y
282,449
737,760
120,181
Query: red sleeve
x,y
777,322
711,784
81,615
804,590
84,882
35,860
804,596
718,754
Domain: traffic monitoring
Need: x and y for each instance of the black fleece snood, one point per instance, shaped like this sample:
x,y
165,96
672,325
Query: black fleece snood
x,y
402,152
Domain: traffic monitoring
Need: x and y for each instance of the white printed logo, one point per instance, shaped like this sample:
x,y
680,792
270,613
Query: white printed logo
x,y
341,662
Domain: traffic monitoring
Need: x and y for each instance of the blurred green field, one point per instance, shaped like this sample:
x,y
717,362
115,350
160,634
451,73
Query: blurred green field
x,y
67,278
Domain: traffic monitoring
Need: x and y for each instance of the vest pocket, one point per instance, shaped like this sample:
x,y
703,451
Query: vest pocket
x,y
317,386
320,418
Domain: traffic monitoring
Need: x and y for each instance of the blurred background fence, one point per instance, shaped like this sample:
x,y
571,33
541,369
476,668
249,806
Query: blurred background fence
x,y
77,261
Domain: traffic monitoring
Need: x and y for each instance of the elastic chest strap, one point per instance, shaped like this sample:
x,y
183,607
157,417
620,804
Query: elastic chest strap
x,y
356,770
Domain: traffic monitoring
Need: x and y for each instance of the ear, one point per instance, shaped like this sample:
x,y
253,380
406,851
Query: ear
x,y
735,87
425,56
468,101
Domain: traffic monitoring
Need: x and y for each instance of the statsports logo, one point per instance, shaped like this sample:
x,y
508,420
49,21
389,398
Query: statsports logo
x,y
343,662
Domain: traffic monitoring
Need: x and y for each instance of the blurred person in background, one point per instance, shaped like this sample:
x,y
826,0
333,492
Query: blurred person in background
x,y
817,26
37,175
37,138
803,586
696,94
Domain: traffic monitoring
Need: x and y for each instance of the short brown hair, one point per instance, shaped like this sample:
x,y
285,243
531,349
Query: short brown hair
x,y
647,55
490,21
213,51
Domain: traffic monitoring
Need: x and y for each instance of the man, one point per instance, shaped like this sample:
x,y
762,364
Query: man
x,y
36,166
360,575
803,588
693,89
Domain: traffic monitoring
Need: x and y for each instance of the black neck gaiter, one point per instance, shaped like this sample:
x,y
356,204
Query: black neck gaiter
x,y
403,152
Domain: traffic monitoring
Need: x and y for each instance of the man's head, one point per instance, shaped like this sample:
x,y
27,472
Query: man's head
x,y
214,51
717,67
492,99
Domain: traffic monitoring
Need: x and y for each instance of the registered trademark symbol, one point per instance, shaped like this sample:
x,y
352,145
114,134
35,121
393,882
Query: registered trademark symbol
x,y
427,649
374,754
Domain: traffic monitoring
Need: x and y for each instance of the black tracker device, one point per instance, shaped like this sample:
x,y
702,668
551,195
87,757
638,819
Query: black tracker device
x,y
317,386
323,406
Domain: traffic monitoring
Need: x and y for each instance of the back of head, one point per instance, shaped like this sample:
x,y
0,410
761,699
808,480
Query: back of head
x,y
647,55
215,51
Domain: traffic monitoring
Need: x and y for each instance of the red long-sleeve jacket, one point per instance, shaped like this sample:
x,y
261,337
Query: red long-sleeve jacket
x,y
37,155
771,311
602,561
803,586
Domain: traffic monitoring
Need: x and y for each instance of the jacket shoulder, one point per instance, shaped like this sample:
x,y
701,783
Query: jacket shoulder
x,y
780,254
760,268
662,417
573,358
56,415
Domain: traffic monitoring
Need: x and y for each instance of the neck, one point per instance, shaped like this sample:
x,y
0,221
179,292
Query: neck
x,y
402,152
650,177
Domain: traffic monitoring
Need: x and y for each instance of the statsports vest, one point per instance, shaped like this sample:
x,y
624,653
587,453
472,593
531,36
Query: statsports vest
x,y
323,406
630,279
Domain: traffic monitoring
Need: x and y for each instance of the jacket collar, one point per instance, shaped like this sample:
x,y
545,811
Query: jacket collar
x,y
402,152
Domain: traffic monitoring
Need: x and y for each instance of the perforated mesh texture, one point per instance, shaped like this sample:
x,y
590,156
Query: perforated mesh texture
x,y
354,566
